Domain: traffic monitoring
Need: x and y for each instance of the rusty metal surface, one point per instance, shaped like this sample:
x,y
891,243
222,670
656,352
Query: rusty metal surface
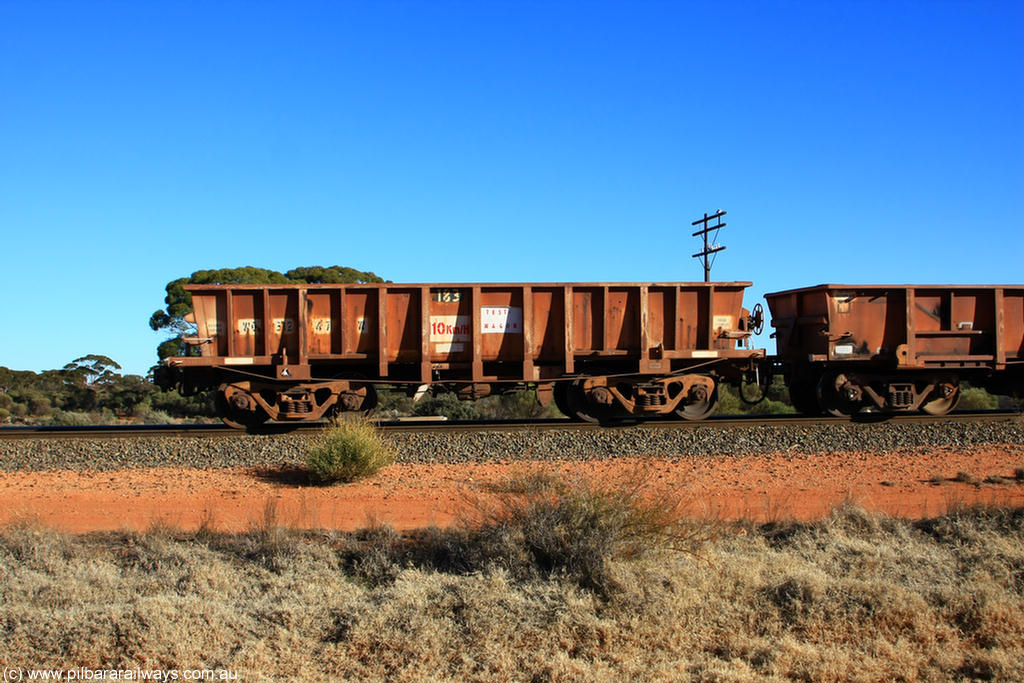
x,y
898,347
300,352
480,332
907,326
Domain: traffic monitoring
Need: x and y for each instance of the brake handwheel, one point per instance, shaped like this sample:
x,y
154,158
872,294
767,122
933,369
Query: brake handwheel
x,y
757,319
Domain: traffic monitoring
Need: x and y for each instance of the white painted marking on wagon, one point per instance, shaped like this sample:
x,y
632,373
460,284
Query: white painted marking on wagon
x,y
501,320
450,328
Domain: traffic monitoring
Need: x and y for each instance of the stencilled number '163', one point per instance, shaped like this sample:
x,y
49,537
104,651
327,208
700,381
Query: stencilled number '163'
x,y
447,296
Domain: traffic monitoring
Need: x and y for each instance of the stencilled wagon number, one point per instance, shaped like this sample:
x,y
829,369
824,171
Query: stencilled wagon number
x,y
447,296
321,325
248,326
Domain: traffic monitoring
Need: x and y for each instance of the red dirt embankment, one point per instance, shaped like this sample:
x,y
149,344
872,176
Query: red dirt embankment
x,y
775,486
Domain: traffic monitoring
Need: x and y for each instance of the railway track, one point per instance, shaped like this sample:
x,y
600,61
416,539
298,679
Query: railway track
x,y
421,425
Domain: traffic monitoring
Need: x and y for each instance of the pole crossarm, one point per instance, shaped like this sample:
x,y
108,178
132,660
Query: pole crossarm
x,y
709,249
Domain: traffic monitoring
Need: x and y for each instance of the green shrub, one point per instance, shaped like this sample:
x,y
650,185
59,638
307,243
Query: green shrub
x,y
38,403
71,418
347,450
149,416
976,398
392,403
516,405
772,407
513,405
775,403
81,418
174,404
447,405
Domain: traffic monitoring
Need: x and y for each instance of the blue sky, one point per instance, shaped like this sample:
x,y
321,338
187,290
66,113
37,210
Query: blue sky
x,y
498,141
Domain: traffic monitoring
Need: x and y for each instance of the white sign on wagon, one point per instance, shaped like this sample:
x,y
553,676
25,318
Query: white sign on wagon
x,y
501,320
449,328
448,333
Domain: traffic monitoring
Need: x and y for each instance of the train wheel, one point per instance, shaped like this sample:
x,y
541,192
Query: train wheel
x,y
246,422
370,399
361,396
700,404
941,406
584,409
831,400
239,418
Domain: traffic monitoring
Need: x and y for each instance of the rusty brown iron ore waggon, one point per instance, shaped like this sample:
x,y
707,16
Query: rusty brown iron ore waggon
x,y
897,348
600,350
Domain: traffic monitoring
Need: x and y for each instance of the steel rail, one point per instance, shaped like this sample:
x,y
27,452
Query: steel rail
x,y
419,425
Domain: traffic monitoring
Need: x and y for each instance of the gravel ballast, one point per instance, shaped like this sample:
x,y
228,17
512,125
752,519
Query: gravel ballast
x,y
247,450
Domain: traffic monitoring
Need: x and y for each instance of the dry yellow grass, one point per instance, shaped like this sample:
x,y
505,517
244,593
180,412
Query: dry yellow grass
x,y
855,597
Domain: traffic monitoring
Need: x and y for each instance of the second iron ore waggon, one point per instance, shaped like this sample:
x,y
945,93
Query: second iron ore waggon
x,y
897,348
295,353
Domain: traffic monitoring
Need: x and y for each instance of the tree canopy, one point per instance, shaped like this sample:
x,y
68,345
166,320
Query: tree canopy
x,y
171,319
85,391
92,370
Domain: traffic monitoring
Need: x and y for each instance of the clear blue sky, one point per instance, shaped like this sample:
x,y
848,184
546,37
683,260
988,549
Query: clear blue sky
x,y
494,141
